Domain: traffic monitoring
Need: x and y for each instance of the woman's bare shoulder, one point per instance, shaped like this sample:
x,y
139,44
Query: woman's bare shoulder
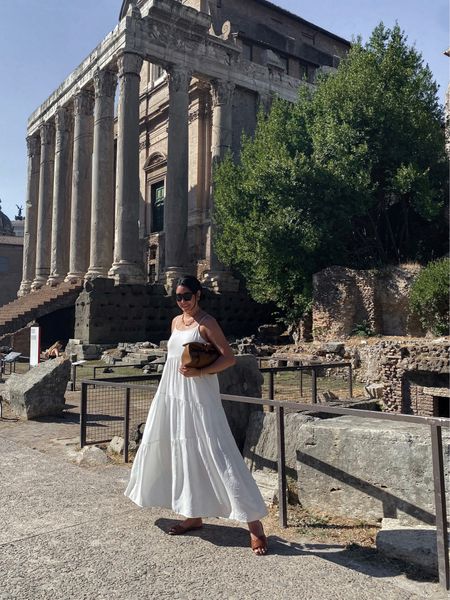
x,y
208,321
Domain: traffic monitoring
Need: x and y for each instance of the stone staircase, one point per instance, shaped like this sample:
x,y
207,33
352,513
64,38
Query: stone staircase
x,y
18,313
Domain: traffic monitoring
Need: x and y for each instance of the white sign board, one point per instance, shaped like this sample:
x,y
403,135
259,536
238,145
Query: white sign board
x,y
35,346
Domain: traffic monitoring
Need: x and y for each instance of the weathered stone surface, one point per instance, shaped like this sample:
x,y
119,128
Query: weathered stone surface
x,y
110,357
327,396
86,351
91,456
146,312
414,545
116,445
260,451
333,348
350,466
375,390
367,469
244,379
40,392
375,301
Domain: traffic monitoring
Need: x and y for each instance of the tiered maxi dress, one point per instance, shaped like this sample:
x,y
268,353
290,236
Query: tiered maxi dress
x,y
188,460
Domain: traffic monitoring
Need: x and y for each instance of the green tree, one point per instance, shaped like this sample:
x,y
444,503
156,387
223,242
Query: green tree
x,y
352,174
429,296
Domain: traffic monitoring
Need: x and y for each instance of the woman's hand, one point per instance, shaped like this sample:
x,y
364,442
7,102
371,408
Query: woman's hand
x,y
189,371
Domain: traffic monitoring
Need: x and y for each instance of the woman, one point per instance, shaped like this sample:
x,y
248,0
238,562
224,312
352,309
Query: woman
x,y
188,460
54,351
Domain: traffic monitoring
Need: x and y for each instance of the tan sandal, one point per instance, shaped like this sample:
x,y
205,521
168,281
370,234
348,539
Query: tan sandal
x,y
258,543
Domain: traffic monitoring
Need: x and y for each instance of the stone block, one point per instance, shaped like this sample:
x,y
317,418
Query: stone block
x,y
116,445
333,348
243,379
91,456
375,390
413,545
40,391
367,469
350,466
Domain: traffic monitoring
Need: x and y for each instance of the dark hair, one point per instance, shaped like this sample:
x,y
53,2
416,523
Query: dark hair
x,y
191,282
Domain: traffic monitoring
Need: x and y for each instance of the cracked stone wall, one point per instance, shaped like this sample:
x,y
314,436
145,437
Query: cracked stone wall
x,y
344,299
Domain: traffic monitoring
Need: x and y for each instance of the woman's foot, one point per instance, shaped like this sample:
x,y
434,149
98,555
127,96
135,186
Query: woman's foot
x,y
258,540
185,526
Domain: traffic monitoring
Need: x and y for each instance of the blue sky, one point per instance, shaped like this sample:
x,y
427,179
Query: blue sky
x,y
42,41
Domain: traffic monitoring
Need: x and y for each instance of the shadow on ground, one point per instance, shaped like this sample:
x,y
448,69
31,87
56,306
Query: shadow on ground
x,y
364,560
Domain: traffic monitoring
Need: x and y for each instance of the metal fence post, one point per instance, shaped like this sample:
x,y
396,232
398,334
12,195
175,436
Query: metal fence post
x,y
83,414
301,383
126,425
441,509
271,389
314,385
74,377
350,380
281,467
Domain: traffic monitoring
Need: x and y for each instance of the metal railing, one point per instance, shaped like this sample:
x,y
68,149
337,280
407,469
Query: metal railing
x,y
315,370
435,424
100,368
110,407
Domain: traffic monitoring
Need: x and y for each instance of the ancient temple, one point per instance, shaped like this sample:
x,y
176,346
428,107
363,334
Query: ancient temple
x,y
120,155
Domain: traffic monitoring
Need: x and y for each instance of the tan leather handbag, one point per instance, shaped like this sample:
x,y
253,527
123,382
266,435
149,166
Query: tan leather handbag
x,y
198,355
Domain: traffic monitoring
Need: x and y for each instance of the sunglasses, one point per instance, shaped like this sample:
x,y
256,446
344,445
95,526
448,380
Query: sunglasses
x,y
186,296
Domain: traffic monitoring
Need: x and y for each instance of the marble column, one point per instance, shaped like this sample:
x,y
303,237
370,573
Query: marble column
x,y
44,224
177,181
80,220
128,262
31,213
221,142
102,209
59,262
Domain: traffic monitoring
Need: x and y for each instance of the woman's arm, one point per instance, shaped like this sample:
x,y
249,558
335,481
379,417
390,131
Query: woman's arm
x,y
210,331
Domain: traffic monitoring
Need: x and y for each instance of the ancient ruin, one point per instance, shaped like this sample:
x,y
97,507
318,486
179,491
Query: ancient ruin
x,y
129,196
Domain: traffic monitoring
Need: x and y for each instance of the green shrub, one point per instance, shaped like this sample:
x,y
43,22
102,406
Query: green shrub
x,y
363,329
429,297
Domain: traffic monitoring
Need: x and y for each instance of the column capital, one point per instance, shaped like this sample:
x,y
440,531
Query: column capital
x,y
33,145
129,63
47,131
179,77
222,92
83,102
105,83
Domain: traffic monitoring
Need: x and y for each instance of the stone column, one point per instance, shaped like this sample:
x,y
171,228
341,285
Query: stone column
x,y
102,210
128,262
31,212
177,181
59,262
221,142
80,221
44,223
265,101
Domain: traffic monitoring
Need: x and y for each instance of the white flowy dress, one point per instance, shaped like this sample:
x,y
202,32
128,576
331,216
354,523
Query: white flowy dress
x,y
188,460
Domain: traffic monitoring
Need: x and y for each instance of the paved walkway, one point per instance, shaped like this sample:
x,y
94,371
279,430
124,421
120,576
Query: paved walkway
x,y
68,532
